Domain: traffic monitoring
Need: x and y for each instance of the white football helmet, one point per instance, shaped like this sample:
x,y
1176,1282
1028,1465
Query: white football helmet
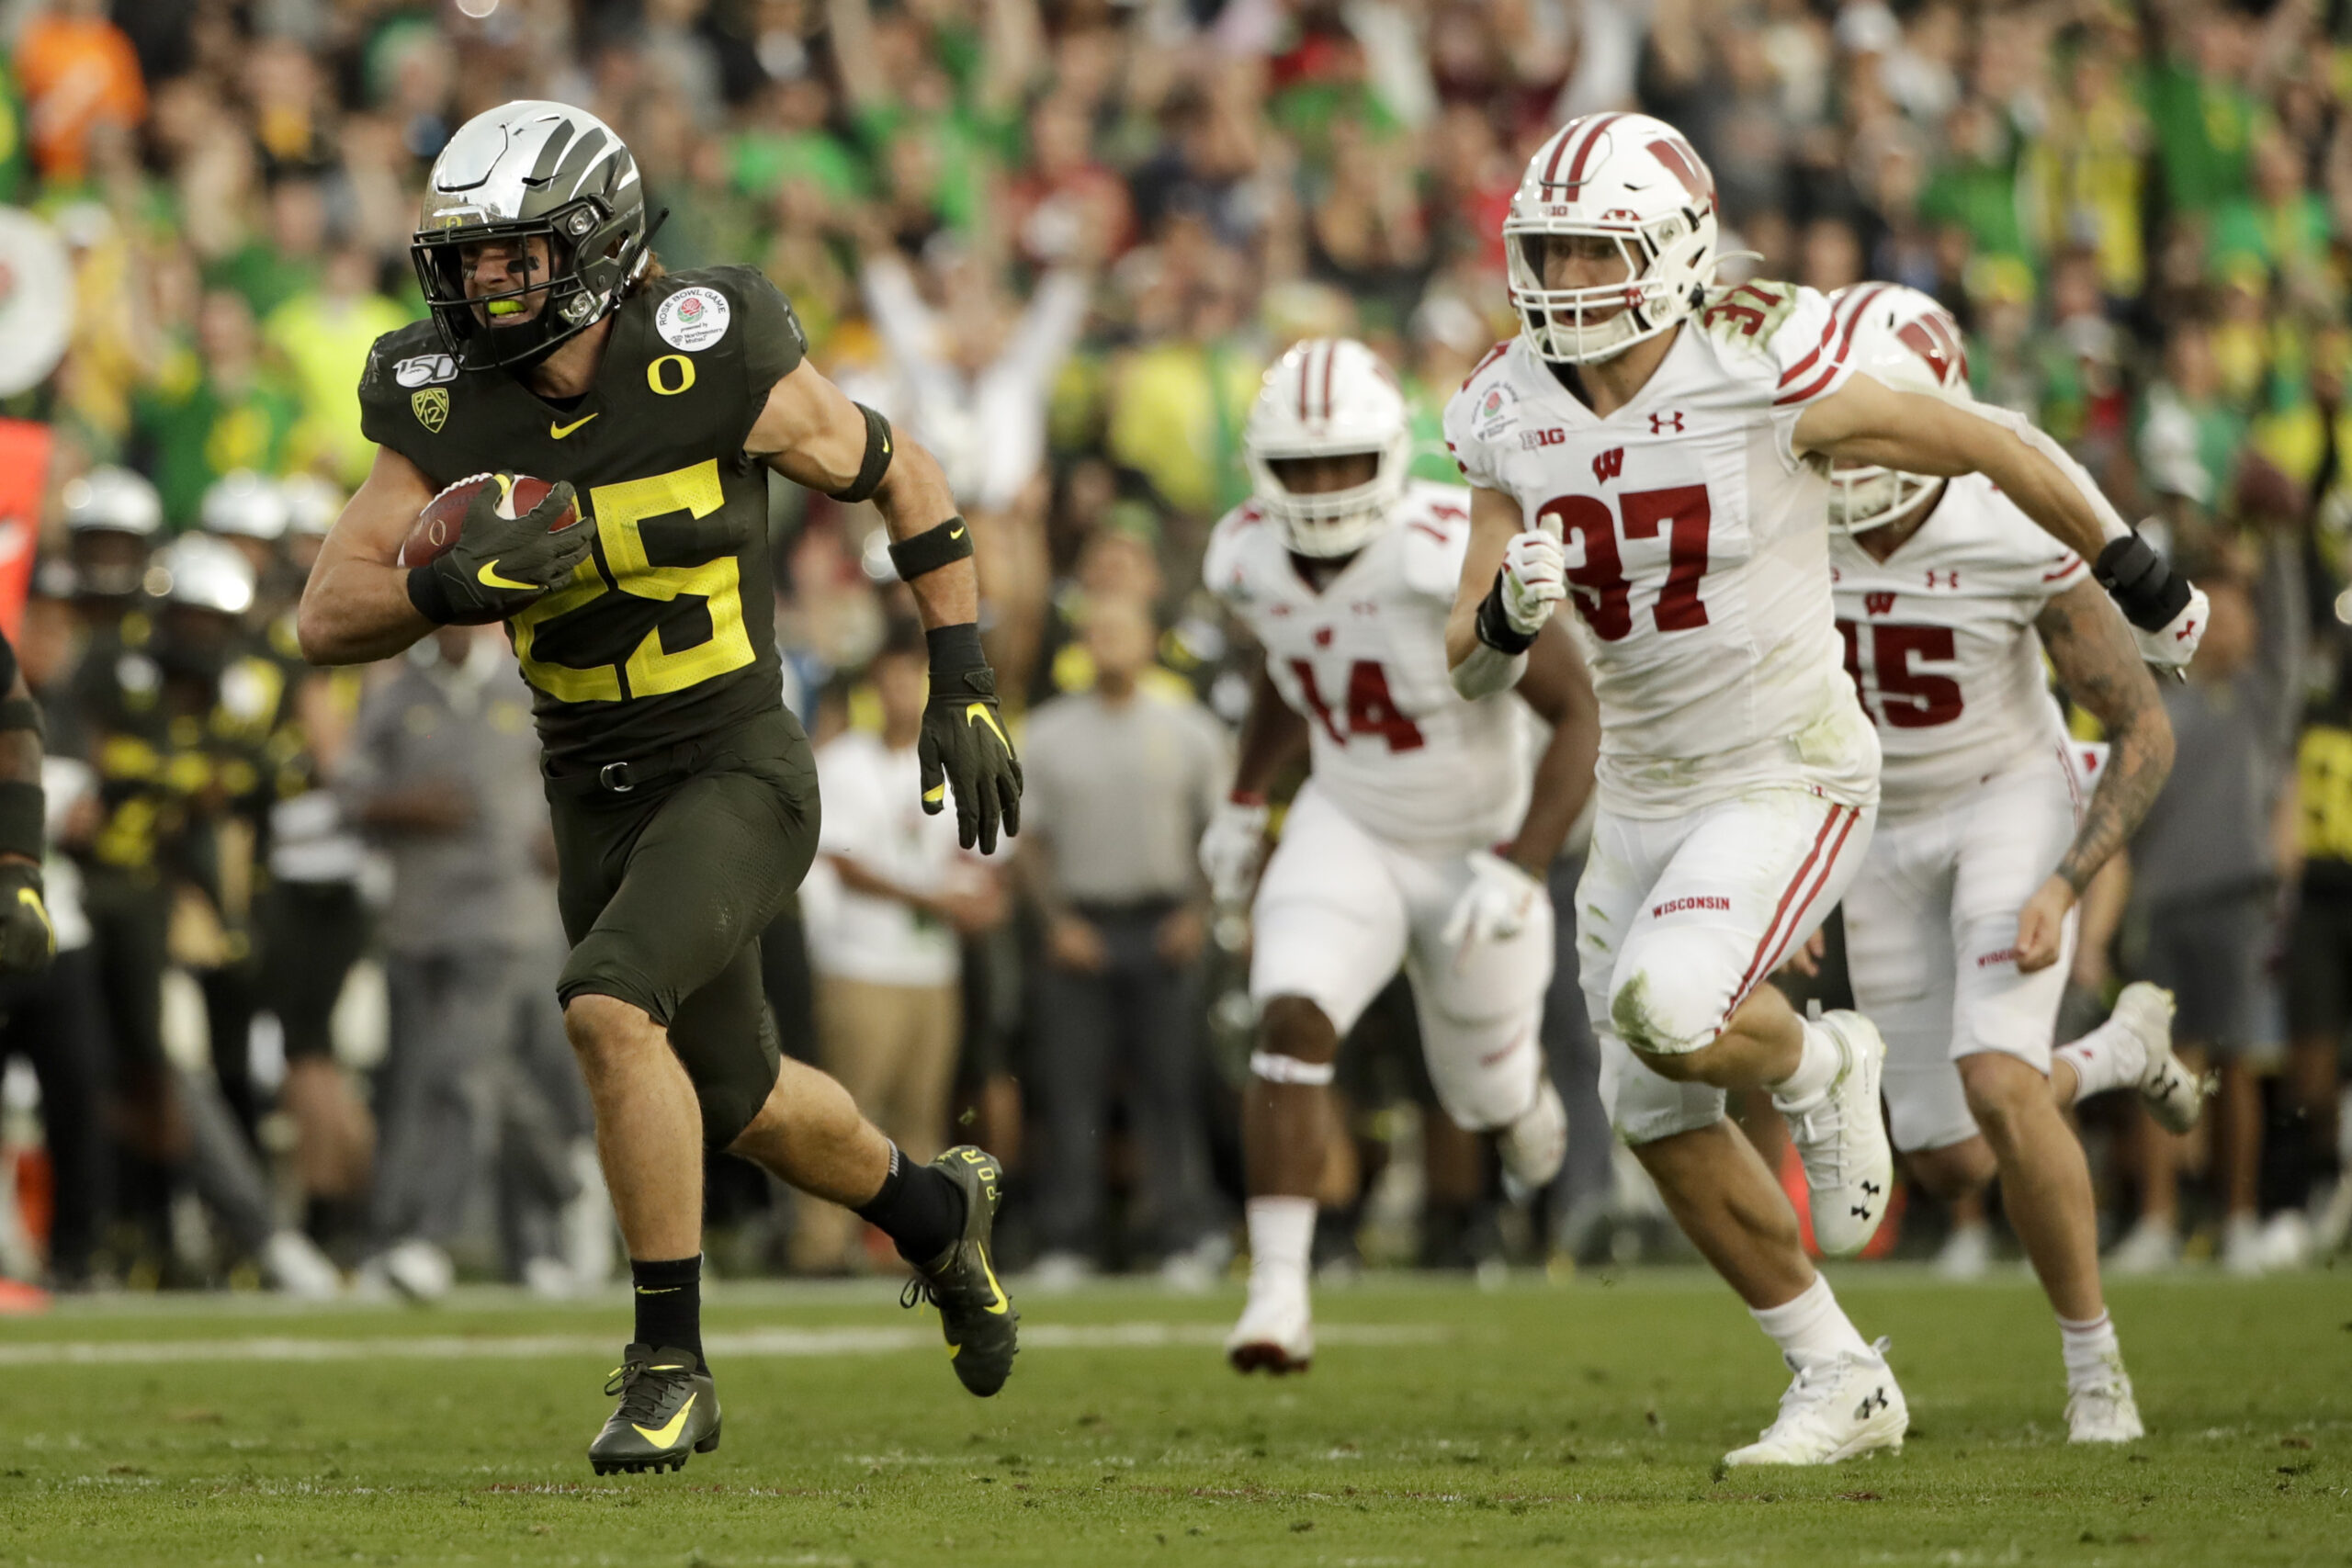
x,y
1628,179
1904,339
116,500
203,573
244,504
1329,398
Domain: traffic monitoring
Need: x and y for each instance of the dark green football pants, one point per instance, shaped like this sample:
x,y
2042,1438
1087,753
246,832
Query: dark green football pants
x,y
664,889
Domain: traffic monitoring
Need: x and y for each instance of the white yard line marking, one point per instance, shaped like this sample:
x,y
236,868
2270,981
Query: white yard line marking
x,y
753,1342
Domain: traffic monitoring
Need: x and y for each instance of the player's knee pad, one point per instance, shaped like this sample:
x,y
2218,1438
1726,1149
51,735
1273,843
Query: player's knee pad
x,y
1643,1107
1926,1106
1484,1077
1662,999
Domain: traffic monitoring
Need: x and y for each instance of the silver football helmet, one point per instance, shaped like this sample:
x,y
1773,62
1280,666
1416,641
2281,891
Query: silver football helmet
x,y
530,170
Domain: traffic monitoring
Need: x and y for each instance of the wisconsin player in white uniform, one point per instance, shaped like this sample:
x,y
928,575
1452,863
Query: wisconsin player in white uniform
x,y
1659,446
1960,922
1417,840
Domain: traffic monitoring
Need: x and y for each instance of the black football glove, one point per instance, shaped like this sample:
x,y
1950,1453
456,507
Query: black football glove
x,y
500,564
964,745
26,941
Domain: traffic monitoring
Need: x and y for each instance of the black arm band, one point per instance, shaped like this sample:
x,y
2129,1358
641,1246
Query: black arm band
x,y
7,664
2149,593
20,819
955,651
876,463
430,595
22,713
1494,626
930,549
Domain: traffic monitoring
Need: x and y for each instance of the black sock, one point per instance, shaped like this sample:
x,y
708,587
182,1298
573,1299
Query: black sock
x,y
668,1304
919,1209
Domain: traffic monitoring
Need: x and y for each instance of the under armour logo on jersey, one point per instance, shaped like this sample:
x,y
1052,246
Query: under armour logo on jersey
x,y
1662,423
1950,578
1878,604
1875,1400
2188,630
1609,464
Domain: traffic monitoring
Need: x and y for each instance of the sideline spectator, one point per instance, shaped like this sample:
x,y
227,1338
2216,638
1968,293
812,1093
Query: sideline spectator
x,y
885,916
1121,781
444,772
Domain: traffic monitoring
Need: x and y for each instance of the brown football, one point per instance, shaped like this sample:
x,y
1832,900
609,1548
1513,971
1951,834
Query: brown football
x,y
443,517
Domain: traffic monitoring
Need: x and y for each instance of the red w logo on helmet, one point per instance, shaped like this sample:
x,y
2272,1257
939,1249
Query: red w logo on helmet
x,y
1936,339
1682,160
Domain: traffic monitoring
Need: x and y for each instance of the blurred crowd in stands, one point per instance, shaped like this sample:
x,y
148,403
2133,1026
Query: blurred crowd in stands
x,y
303,1028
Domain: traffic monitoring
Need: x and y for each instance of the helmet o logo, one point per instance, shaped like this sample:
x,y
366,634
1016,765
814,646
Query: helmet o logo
x,y
662,383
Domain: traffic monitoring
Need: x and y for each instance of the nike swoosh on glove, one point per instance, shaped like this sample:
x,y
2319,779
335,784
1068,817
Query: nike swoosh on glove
x,y
501,562
964,748
28,942
1231,848
1495,906
1536,578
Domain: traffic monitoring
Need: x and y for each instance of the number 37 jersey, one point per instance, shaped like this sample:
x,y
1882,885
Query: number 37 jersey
x,y
1364,661
1697,550
666,633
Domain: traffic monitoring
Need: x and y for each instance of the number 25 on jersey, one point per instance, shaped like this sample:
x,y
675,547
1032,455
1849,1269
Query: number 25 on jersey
x,y
1603,596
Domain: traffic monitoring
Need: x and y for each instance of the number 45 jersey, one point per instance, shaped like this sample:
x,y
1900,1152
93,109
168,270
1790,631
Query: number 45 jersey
x,y
1697,550
1939,641
1364,661
666,632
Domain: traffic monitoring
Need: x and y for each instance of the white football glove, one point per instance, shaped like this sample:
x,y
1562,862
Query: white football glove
x,y
1231,847
1495,906
1536,578
2171,646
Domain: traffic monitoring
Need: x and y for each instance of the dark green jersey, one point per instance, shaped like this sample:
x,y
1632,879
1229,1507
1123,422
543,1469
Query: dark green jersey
x,y
667,631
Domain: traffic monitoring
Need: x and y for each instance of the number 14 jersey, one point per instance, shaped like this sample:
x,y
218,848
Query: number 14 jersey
x,y
1364,661
1697,548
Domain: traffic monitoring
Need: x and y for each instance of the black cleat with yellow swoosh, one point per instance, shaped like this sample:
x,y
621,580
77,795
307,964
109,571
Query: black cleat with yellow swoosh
x,y
975,1314
668,1410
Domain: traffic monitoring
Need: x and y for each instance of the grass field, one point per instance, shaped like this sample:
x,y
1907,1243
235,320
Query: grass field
x,y
1539,1424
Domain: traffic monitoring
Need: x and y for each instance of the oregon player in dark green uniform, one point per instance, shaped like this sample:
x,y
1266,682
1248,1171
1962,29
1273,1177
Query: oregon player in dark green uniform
x,y
684,801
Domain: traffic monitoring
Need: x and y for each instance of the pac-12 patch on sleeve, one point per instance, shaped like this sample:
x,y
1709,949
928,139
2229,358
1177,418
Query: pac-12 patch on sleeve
x,y
692,318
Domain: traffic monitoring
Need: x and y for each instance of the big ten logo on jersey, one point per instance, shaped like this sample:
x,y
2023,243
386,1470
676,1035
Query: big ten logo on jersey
x,y
1367,710
1883,660
1529,440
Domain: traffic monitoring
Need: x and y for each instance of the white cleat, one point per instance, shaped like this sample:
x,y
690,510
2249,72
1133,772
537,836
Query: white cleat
x,y
2105,1411
1276,1332
1533,1147
1967,1253
1841,1139
293,1266
419,1270
2151,1246
1837,1408
2170,1091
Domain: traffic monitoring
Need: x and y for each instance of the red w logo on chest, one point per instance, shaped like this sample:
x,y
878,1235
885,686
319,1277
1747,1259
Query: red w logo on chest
x,y
1878,604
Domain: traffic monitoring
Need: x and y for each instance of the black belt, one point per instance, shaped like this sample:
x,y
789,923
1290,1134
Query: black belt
x,y
631,775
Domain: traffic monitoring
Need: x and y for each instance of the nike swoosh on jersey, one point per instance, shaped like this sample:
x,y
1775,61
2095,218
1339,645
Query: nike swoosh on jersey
x,y
661,1436
557,432
488,577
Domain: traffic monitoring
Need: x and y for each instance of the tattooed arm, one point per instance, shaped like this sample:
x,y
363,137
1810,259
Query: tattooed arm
x,y
2100,669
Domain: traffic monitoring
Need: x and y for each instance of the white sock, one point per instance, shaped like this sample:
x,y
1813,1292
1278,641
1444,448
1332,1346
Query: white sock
x,y
1811,1327
1281,1233
2093,1353
1817,1070
2110,1056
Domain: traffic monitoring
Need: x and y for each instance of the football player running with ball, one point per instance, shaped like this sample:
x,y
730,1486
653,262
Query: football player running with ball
x,y
683,795
1960,923
1416,842
1659,446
